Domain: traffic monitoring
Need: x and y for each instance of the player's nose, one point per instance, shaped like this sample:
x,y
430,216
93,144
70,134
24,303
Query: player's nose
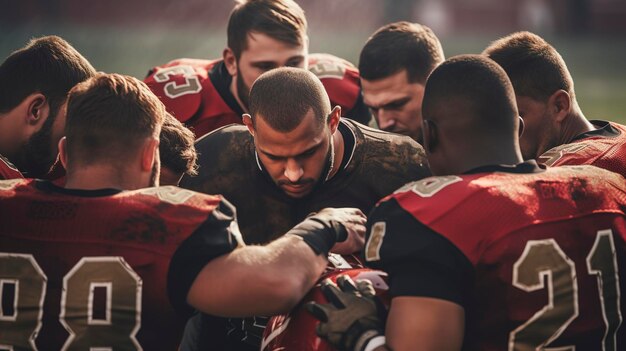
x,y
293,170
385,120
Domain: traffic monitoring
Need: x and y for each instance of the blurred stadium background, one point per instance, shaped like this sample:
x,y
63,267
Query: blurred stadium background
x,y
131,36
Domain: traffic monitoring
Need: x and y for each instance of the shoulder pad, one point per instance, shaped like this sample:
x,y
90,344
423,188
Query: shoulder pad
x,y
178,85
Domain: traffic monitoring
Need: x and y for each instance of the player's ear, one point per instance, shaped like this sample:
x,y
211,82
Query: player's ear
x,y
560,103
230,61
247,121
38,109
431,138
333,119
520,126
63,152
149,154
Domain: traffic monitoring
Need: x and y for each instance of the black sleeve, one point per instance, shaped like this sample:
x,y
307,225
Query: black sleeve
x,y
218,235
419,261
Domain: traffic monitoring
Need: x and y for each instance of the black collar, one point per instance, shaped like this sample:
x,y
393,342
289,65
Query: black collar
x,y
221,80
605,129
48,186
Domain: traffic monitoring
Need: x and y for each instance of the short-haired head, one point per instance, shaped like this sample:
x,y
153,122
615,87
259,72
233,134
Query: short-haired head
x,y
401,46
470,104
48,65
282,20
282,97
535,68
109,117
471,87
177,151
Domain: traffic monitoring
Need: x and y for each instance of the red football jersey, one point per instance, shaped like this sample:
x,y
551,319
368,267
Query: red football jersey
x,y
604,148
535,258
83,269
8,171
197,92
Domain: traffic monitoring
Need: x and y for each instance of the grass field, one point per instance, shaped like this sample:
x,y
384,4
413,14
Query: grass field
x,y
596,63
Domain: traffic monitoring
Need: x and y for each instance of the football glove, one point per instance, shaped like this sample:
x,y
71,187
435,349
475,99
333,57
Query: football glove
x,y
352,318
323,229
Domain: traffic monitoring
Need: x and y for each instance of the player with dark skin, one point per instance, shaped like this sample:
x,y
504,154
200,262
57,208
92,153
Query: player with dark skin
x,y
481,285
297,155
557,132
394,65
31,124
294,156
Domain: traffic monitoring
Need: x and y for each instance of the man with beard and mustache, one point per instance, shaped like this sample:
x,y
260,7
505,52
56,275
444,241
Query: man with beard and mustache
x,y
262,35
394,65
34,82
294,156
86,265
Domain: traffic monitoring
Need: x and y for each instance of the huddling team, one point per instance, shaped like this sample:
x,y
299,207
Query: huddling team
x,y
183,212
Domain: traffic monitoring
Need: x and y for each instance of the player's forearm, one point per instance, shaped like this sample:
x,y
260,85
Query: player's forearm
x,y
257,280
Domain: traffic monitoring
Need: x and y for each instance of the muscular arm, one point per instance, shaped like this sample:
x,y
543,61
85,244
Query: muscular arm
x,y
421,323
257,280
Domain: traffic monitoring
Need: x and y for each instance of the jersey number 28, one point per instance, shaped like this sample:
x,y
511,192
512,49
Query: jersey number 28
x,y
114,328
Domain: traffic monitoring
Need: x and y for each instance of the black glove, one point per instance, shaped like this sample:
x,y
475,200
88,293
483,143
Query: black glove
x,y
353,316
323,229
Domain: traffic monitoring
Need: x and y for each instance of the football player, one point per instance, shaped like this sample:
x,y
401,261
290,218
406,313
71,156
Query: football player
x,y
85,266
262,35
556,131
34,82
295,155
394,65
493,253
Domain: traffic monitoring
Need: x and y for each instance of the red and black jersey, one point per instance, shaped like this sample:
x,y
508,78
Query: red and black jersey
x,y
536,257
8,170
197,92
90,268
604,147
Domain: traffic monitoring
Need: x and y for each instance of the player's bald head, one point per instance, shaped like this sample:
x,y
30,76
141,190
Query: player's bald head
x,y
284,96
474,91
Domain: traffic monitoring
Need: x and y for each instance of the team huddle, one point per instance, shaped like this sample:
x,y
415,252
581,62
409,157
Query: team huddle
x,y
274,199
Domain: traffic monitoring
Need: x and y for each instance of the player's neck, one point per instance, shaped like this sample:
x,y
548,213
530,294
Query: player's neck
x,y
488,157
574,125
233,90
95,177
339,146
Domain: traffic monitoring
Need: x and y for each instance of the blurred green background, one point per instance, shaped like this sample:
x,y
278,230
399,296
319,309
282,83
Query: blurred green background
x,y
132,36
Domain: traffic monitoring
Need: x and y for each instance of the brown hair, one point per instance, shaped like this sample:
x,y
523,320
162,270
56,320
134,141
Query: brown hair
x,y
284,96
282,20
535,68
401,46
48,65
109,116
177,148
